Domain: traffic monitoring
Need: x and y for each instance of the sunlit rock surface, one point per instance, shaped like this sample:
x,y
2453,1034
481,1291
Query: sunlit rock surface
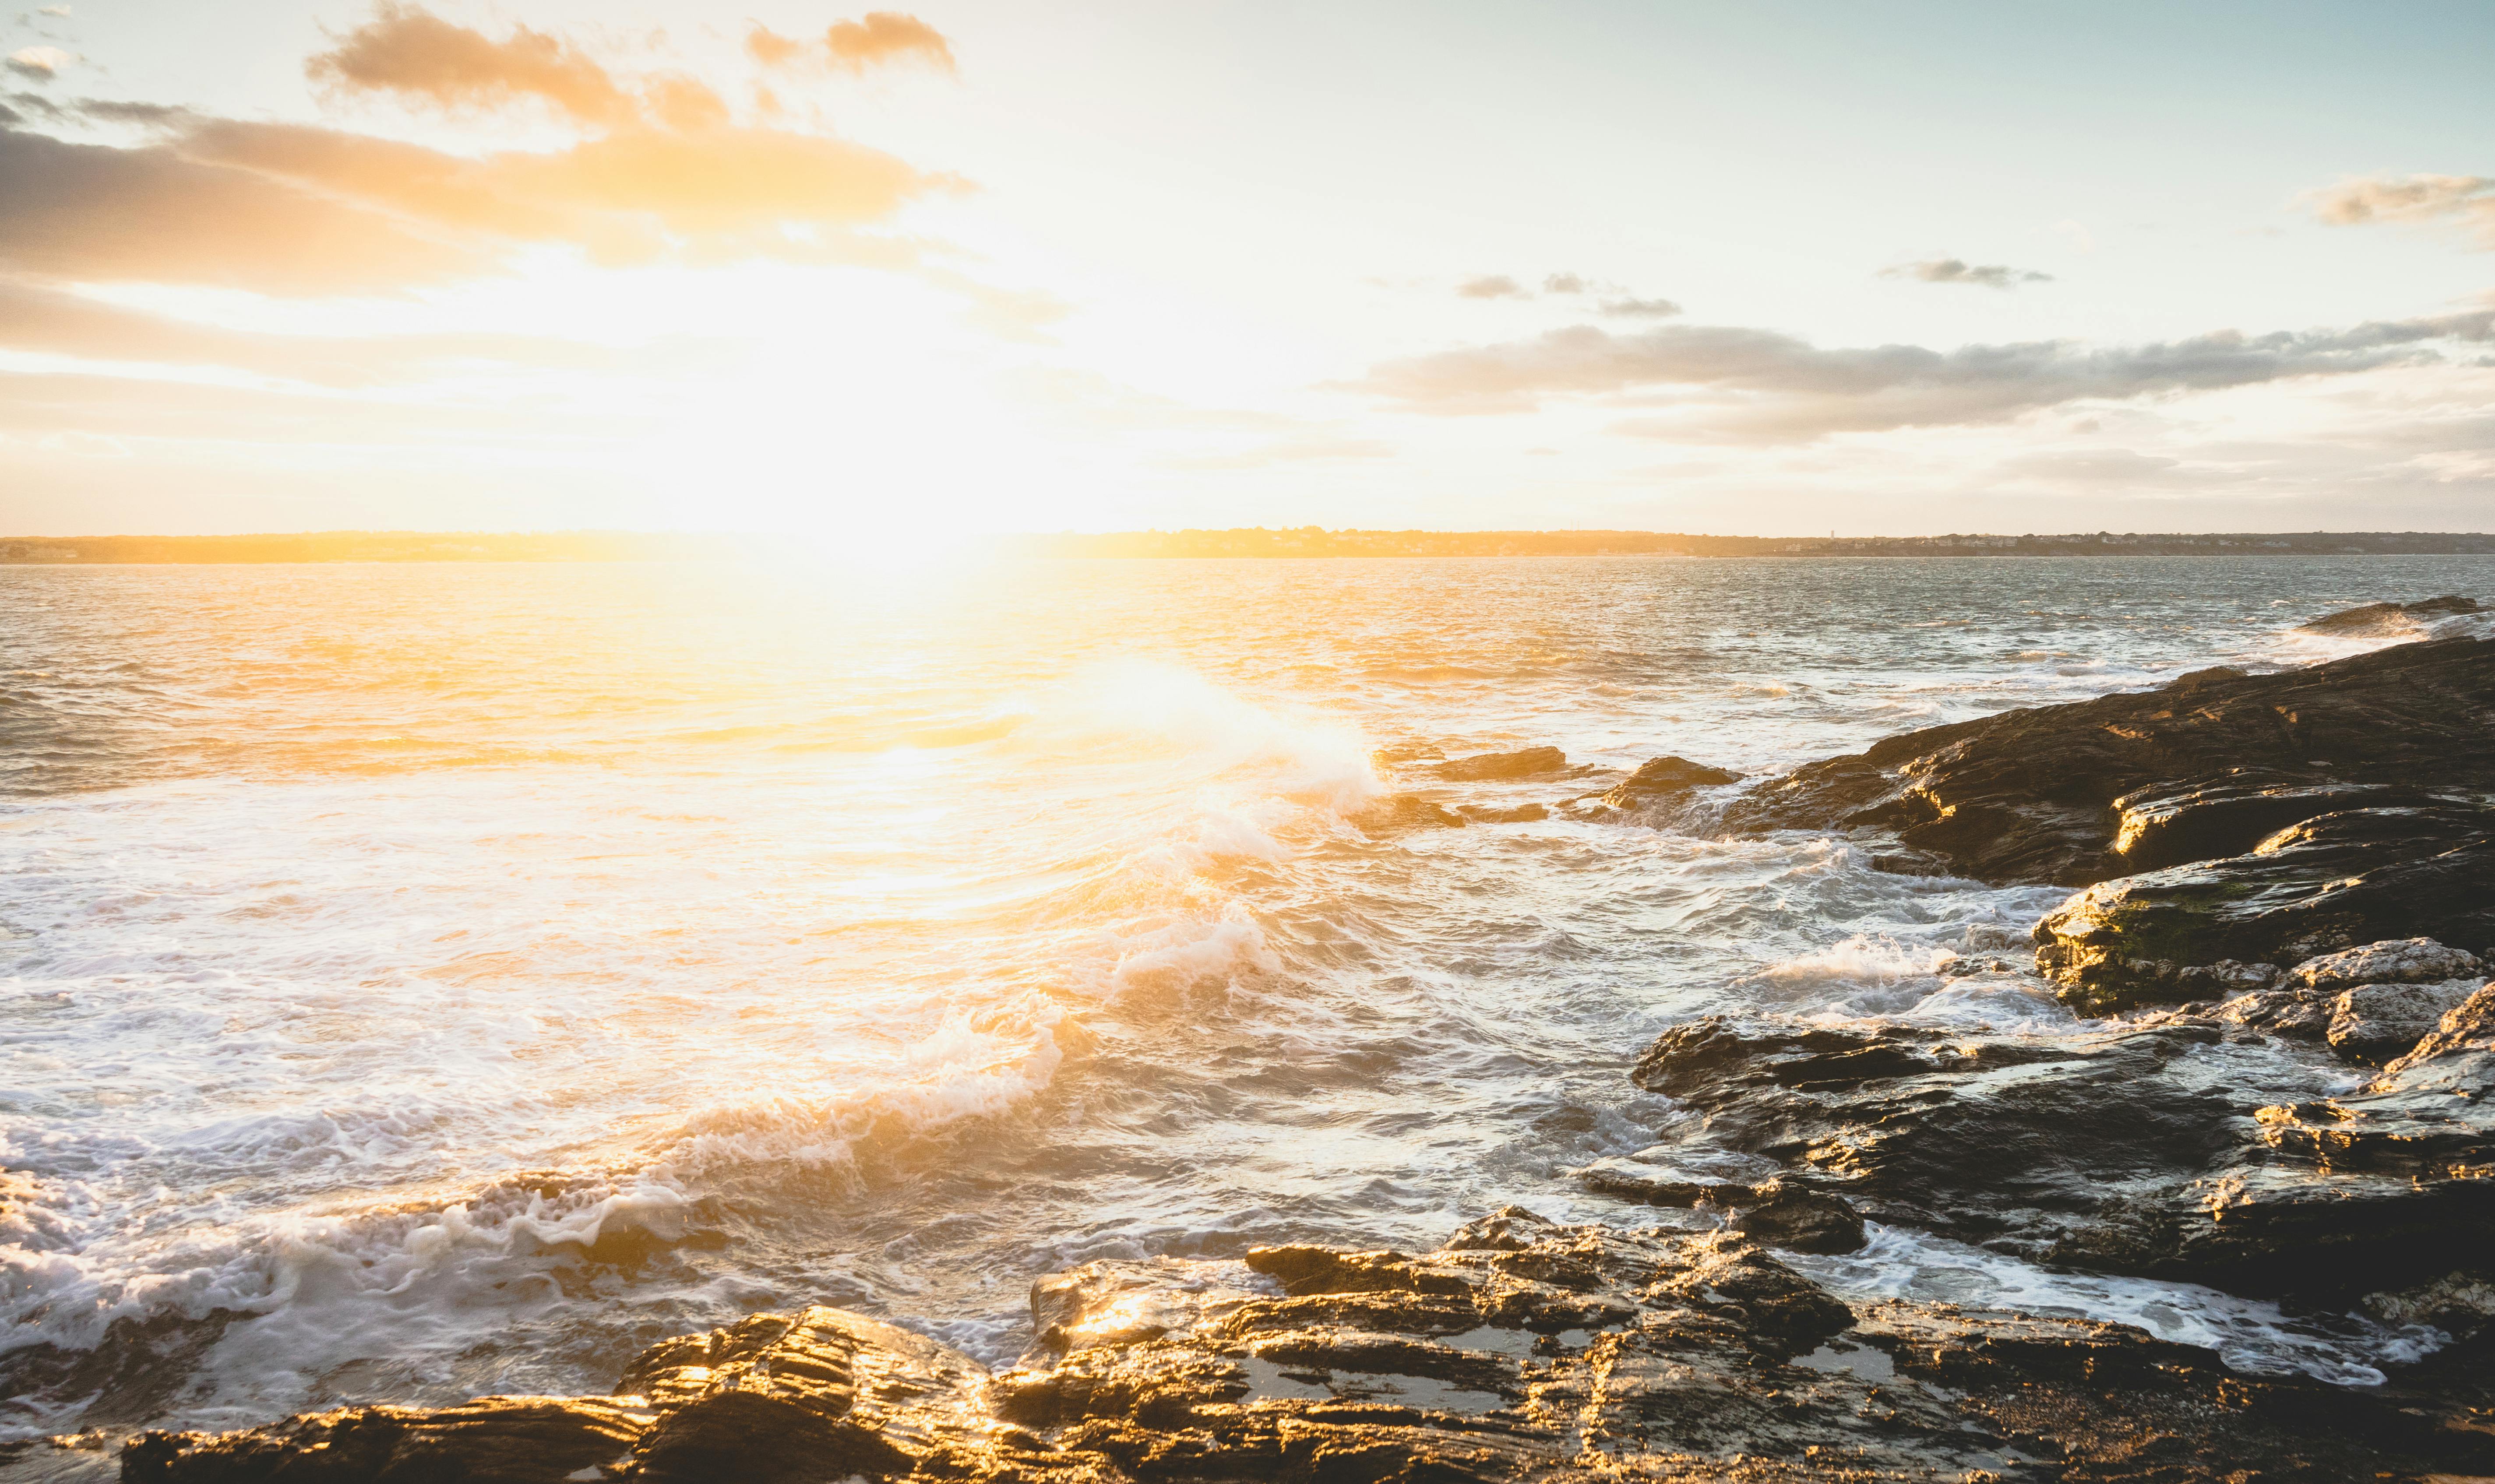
x,y
1520,1350
2326,884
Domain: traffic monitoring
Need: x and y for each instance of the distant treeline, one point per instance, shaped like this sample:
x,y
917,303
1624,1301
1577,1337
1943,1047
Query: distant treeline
x,y
1253,541
1314,540
376,547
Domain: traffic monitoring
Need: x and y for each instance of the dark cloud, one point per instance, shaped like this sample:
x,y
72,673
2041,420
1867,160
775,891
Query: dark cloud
x,y
94,213
2469,200
1953,270
1727,383
1492,286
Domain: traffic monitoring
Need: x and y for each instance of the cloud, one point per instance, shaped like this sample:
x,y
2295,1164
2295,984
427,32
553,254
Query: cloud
x,y
41,63
421,57
771,49
1728,384
658,170
2469,200
35,318
887,36
1640,309
94,213
1563,282
1953,270
882,39
1493,286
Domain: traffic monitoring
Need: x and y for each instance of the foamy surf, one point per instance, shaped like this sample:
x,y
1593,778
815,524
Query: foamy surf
x,y
731,945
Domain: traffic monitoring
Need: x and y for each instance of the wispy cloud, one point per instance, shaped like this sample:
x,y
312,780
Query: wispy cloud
x,y
1729,383
1615,299
1954,270
41,63
2467,199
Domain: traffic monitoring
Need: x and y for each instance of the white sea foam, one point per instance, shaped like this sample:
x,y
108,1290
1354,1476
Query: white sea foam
x,y
2250,1335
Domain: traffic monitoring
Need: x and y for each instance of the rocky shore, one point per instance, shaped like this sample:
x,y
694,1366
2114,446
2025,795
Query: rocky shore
x,y
2282,922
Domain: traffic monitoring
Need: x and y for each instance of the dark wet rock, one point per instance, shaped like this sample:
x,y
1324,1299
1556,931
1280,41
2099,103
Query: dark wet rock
x,y
2328,884
2390,618
2458,1303
2390,961
1911,863
1521,1350
2031,795
823,1394
1398,812
2382,1022
2175,1150
1661,779
1520,814
2200,819
1681,1178
1530,762
1801,1220
491,1440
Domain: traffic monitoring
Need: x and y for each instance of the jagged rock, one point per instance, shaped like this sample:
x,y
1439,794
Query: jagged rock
x,y
2391,961
820,1395
2382,618
2292,1013
491,1440
1664,777
1521,1351
2381,1022
2456,1303
1407,810
2205,819
2326,884
1801,1220
1529,762
2174,1150
2029,796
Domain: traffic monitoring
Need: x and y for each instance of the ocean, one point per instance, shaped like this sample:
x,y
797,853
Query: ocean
x,y
420,981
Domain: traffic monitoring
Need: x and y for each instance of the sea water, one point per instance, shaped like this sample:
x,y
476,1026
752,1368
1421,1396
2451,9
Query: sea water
x,y
421,981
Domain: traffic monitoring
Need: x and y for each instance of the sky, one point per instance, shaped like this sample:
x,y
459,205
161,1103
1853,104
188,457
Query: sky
x,y
1771,268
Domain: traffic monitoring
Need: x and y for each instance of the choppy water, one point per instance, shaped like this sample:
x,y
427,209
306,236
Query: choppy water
x,y
459,976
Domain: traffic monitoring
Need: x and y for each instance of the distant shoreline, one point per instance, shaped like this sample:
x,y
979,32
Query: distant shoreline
x,y
367,546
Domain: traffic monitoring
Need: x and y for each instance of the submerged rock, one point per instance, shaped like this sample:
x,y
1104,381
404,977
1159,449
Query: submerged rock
x,y
1520,1350
2390,618
1659,779
2179,1149
2205,768
1530,762
1398,812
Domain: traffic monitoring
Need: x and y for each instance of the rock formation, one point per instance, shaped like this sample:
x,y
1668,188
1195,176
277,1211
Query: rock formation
x,y
2211,766
1518,1350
